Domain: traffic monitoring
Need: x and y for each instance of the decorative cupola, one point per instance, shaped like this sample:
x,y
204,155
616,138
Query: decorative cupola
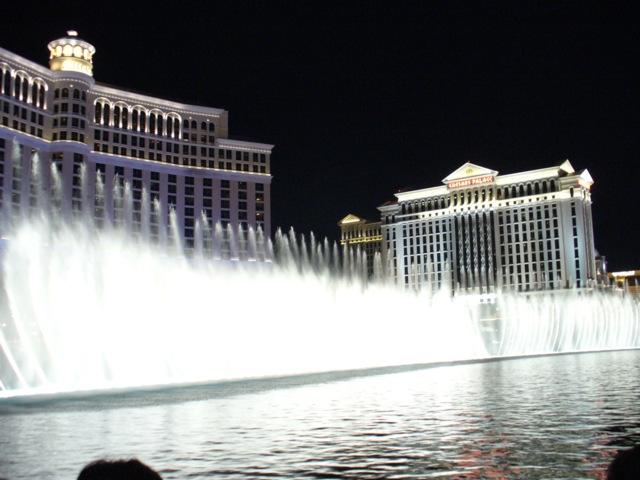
x,y
71,54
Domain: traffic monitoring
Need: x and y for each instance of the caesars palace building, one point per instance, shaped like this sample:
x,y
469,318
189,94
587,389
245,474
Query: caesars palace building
x,y
179,155
483,232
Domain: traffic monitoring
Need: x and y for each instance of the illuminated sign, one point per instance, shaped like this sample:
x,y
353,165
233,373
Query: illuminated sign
x,y
470,182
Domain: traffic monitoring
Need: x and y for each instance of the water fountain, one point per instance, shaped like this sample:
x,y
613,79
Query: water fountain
x,y
95,305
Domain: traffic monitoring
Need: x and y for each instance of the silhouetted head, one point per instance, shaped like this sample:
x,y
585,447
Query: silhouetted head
x,y
118,470
625,465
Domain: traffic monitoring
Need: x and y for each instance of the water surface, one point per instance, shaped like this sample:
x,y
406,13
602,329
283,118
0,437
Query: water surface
x,y
546,417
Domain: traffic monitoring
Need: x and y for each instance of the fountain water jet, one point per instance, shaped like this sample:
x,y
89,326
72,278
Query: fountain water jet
x,y
90,306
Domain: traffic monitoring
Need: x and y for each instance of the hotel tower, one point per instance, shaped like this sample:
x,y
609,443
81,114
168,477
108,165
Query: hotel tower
x,y
173,156
482,232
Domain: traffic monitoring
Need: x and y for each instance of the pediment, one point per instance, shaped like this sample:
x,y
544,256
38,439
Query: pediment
x,y
586,177
469,170
350,218
567,167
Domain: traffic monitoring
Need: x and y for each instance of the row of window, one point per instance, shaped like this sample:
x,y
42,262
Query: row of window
x,y
478,195
21,126
76,94
22,87
22,113
64,135
63,107
74,122
154,121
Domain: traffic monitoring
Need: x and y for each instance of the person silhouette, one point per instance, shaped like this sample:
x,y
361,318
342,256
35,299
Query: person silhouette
x,y
625,465
118,470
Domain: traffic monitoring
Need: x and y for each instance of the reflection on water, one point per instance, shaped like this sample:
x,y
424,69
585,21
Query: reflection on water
x,y
550,417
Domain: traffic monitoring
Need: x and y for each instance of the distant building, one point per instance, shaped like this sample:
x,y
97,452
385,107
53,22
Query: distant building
x,y
361,234
629,281
482,232
170,154
602,276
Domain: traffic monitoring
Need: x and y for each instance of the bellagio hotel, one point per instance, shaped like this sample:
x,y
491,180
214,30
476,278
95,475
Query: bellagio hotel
x,y
180,154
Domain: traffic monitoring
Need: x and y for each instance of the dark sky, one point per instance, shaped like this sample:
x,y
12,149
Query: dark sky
x,y
364,98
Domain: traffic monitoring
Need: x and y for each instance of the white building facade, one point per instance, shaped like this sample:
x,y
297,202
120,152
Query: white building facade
x,y
483,232
169,154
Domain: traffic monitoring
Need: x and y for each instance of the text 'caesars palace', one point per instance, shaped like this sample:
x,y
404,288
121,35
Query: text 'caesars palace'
x,y
180,154
478,231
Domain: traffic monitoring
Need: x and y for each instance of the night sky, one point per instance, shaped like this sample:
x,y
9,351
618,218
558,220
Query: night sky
x,y
362,99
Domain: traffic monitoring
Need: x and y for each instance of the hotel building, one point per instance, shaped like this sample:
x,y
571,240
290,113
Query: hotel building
x,y
627,281
169,154
483,232
362,235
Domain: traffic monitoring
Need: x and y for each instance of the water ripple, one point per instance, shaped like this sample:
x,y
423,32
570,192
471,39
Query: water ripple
x,y
554,417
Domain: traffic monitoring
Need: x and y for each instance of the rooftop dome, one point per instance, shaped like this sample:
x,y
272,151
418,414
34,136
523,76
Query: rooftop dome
x,y
71,54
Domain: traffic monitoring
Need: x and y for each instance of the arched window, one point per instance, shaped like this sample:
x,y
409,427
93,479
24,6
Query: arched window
x,y
41,94
514,192
194,125
143,121
116,116
160,125
455,199
98,113
552,185
106,114
176,127
25,89
169,127
134,120
76,94
203,126
212,127
152,123
84,95
125,117
7,82
34,93
499,193
56,93
65,93
529,189
521,191
536,188
17,86
469,196
185,124
544,187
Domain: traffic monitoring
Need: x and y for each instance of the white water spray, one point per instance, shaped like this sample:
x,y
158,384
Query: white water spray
x,y
93,308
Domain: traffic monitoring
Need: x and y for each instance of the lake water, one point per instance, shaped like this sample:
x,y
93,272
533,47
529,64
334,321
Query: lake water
x,y
547,417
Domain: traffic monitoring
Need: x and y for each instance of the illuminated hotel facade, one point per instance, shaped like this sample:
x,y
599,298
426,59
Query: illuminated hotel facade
x,y
483,232
169,154
361,235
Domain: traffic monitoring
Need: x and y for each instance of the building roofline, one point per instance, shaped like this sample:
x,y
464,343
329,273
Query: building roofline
x,y
506,179
106,89
110,90
42,70
239,144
